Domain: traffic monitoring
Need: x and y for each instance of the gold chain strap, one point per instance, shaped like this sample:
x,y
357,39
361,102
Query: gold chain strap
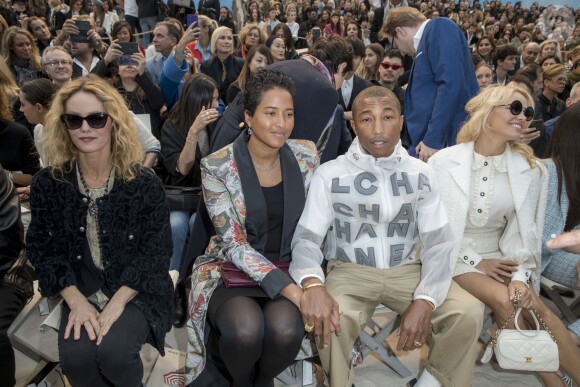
x,y
517,304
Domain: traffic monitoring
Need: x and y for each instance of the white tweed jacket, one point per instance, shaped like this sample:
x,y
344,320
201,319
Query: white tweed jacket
x,y
453,168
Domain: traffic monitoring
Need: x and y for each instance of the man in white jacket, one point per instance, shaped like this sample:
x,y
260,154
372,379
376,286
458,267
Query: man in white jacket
x,y
388,241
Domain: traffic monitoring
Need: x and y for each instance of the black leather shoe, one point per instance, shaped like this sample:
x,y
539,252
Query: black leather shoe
x,y
179,306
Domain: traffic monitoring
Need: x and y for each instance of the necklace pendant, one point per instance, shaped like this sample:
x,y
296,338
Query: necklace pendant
x,y
93,208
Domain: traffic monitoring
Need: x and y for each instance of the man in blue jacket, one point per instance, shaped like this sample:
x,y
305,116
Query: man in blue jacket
x,y
442,78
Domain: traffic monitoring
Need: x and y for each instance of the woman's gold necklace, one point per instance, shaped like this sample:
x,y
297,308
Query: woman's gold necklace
x,y
267,169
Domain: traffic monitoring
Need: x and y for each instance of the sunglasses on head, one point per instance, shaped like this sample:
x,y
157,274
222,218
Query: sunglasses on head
x,y
393,66
516,108
74,121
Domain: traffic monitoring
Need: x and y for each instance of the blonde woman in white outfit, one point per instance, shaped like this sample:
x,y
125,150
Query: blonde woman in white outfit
x,y
494,190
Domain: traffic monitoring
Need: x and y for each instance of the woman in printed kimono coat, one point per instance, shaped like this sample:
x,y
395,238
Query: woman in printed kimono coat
x,y
254,190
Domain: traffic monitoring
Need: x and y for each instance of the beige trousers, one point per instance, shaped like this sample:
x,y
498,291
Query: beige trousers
x,y
359,289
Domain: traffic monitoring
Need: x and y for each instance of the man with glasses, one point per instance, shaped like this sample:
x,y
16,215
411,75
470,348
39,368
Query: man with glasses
x,y
57,64
441,82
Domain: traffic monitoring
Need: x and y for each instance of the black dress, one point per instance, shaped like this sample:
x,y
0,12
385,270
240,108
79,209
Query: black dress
x,y
215,69
275,208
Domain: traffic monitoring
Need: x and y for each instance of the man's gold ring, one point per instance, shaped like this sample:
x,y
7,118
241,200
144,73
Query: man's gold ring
x,y
308,327
418,344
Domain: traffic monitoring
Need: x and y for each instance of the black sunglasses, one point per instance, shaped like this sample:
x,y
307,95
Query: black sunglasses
x,y
516,108
74,121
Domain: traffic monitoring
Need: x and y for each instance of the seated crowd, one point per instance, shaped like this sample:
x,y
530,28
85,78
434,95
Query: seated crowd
x,y
290,165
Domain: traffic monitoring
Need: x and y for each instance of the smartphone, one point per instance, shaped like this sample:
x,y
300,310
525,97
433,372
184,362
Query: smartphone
x,y
190,19
83,26
315,34
126,60
129,48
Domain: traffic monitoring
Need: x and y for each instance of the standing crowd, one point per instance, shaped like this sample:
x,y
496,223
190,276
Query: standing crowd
x,y
269,174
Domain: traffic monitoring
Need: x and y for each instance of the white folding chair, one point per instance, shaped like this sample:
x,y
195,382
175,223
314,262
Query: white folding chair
x,y
374,342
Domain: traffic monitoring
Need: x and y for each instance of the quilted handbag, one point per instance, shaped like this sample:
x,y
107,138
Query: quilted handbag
x,y
526,350
233,277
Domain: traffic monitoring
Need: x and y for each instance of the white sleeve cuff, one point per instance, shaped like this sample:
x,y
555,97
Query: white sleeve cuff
x,y
426,298
309,276
469,257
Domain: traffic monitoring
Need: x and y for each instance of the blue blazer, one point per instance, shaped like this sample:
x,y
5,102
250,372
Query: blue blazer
x,y
442,80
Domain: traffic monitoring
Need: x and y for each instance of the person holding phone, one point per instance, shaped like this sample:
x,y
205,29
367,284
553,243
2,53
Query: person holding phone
x,y
100,237
201,45
141,94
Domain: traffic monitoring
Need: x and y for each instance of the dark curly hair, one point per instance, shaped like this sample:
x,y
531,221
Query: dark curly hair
x,y
264,81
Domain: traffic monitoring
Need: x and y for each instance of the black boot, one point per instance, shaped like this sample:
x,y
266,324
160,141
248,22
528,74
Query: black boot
x,y
179,305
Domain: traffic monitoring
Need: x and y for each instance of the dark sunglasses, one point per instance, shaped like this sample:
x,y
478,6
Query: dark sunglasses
x,y
393,66
74,121
516,108
575,65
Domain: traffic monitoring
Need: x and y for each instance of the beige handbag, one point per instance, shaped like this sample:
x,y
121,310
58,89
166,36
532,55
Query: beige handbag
x,y
526,350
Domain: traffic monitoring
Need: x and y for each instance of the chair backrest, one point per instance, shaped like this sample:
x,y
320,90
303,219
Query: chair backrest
x,y
200,234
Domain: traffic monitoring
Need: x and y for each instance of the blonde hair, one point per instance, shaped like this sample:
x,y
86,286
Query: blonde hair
x,y
204,21
402,17
557,52
3,26
214,37
8,40
553,70
62,154
8,86
480,108
246,29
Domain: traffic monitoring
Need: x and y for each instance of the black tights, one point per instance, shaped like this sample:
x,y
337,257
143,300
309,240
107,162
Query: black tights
x,y
257,338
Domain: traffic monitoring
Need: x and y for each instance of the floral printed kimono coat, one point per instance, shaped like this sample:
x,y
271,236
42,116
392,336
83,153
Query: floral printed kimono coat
x,y
237,209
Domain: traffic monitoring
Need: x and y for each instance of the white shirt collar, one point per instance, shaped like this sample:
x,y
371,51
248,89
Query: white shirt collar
x,y
419,35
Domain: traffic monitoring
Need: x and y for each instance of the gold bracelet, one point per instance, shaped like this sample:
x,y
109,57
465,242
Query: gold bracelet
x,y
312,286
432,305
189,141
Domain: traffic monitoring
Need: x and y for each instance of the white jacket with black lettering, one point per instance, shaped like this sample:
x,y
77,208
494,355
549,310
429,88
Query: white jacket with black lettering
x,y
382,213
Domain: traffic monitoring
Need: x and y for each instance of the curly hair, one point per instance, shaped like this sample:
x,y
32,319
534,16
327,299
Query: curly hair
x,y
62,154
264,81
250,27
479,110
